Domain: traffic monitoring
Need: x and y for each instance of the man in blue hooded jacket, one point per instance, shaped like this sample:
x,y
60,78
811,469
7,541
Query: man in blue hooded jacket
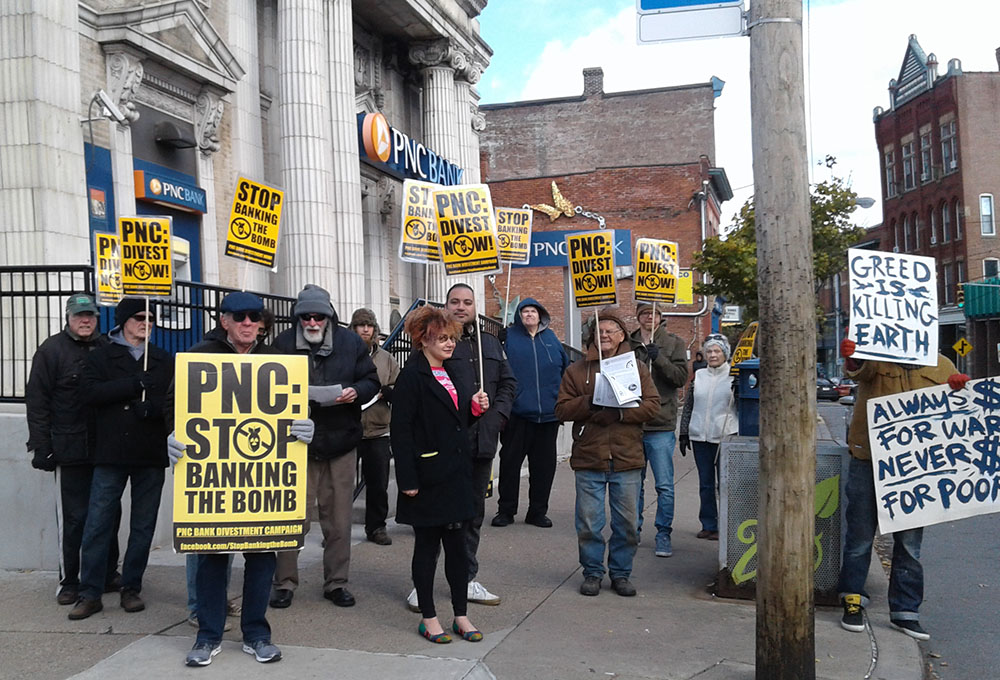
x,y
538,360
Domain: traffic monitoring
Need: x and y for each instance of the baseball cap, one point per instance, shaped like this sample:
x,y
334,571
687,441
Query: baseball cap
x,y
79,303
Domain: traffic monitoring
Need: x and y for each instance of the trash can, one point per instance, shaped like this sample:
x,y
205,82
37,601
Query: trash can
x,y
748,397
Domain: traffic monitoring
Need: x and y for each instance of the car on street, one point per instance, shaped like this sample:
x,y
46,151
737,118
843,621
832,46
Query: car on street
x,y
825,389
844,386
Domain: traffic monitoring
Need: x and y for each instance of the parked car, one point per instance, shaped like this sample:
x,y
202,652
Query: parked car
x,y
844,386
826,390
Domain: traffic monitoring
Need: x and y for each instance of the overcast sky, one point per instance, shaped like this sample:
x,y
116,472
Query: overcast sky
x,y
854,47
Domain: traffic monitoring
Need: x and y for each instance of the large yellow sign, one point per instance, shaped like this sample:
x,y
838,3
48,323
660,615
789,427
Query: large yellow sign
x,y
655,270
465,230
147,267
592,267
514,234
254,222
744,346
241,485
107,268
419,242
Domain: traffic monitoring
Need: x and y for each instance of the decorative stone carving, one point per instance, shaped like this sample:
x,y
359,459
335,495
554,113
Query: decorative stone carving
x,y
431,53
208,109
362,62
125,73
386,196
478,119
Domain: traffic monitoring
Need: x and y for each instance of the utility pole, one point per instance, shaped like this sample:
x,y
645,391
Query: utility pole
x,y
785,602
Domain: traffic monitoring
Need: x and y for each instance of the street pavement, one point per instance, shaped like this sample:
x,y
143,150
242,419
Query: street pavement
x,y
673,629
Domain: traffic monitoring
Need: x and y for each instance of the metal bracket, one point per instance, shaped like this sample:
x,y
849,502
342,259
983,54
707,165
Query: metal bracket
x,y
768,20
601,224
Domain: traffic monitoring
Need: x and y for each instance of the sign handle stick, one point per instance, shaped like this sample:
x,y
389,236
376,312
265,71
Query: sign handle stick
x,y
427,280
479,346
597,335
145,350
245,276
506,303
652,332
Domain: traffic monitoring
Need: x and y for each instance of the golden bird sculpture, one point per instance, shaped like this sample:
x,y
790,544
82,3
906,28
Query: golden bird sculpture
x,y
562,206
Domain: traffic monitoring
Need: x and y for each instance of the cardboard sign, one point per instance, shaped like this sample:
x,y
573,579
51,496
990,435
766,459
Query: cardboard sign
x,y
655,270
592,268
147,264
744,347
419,242
685,287
107,268
241,485
254,222
514,234
894,307
466,231
935,454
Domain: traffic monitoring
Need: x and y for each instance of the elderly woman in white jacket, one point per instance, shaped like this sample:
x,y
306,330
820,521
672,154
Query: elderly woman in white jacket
x,y
709,415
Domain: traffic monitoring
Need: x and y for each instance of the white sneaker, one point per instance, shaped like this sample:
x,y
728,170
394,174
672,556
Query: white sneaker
x,y
478,594
411,601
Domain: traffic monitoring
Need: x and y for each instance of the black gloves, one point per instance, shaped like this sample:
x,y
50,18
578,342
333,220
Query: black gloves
x,y
386,392
605,416
653,351
43,460
685,444
502,336
144,381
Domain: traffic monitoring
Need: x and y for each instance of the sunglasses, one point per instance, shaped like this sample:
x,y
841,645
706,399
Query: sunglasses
x,y
144,318
313,317
239,317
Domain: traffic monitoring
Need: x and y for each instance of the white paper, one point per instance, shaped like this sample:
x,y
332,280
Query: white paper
x,y
618,384
373,400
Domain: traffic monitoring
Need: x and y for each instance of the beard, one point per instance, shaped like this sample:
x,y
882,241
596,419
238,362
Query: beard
x,y
313,335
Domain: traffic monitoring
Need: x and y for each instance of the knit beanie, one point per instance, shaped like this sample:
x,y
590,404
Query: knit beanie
x,y
129,307
719,341
364,317
313,300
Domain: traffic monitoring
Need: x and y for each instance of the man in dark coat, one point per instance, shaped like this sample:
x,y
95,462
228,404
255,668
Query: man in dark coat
x,y
342,377
61,434
127,390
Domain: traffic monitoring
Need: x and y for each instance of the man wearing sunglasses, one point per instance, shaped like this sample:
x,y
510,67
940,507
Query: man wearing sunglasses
x,y
342,377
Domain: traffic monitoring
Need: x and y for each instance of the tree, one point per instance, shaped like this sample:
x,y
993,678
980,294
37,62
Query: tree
x,y
732,262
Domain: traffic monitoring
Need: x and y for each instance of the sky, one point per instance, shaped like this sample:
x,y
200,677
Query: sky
x,y
853,48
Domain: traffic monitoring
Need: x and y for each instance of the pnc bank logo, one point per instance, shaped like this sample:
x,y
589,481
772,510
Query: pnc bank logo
x,y
156,186
377,137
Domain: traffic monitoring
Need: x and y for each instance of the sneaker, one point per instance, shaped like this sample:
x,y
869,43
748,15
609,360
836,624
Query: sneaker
x,y
663,548
911,628
193,621
591,586
623,587
202,652
262,650
233,608
411,601
478,594
380,537
84,609
854,614
131,602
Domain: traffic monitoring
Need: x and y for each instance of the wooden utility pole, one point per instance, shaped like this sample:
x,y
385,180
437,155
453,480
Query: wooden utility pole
x,y
785,603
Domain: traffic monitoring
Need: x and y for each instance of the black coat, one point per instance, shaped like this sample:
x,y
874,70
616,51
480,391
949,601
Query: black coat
x,y
59,424
501,388
111,385
425,421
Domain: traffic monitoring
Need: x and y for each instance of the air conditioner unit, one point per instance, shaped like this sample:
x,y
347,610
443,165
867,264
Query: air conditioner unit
x,y
925,176
933,240
953,165
895,249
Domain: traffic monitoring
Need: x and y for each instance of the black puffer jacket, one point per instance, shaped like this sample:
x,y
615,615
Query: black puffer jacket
x,y
60,427
501,388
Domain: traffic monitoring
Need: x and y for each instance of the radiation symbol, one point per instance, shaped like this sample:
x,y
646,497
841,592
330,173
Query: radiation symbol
x,y
416,228
240,228
142,270
115,280
254,439
503,240
464,246
652,282
589,283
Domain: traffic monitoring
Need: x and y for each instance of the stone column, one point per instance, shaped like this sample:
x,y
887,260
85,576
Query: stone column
x,y
307,252
468,74
124,74
208,110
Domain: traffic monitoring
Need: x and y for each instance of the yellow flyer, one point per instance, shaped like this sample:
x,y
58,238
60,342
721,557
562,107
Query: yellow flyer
x,y
254,222
419,241
147,266
107,268
685,287
466,231
514,234
592,267
655,270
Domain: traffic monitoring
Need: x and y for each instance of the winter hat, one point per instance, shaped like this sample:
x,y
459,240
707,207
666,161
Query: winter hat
x,y
718,340
313,300
642,307
79,303
605,315
129,307
364,317
241,301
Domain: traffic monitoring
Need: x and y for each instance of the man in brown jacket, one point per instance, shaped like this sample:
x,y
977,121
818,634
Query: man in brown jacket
x,y
607,459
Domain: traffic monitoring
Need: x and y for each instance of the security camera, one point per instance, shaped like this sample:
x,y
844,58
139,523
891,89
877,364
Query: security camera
x,y
110,108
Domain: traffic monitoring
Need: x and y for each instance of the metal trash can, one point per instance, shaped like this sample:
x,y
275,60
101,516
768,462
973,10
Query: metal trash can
x,y
748,397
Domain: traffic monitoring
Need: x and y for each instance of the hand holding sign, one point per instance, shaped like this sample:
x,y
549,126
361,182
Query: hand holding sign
x,y
956,381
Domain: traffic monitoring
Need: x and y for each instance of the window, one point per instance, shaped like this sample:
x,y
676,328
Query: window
x,y
989,227
960,271
916,231
932,219
949,283
890,173
926,158
906,234
958,220
949,147
895,237
909,167
945,223
991,266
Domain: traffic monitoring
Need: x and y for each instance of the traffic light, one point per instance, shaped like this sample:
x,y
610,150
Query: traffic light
x,y
960,295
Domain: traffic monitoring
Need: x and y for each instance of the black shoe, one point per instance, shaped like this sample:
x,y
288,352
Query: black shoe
x,y
380,537
85,608
623,587
341,597
911,628
282,598
502,519
68,595
591,586
854,614
114,584
538,520
131,602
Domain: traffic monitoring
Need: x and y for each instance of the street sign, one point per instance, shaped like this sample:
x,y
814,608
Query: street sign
x,y
962,346
668,20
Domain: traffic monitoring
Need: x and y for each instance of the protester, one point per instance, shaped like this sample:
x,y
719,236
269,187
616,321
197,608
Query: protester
x,y
698,363
709,416
266,324
432,411
342,377
666,356
374,446
125,382
239,316
538,361
61,436
906,575
606,458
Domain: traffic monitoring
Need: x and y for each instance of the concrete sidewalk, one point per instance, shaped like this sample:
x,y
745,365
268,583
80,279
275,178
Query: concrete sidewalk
x,y
543,628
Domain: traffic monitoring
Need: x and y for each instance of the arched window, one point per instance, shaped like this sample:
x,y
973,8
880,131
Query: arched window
x,y
958,219
906,233
945,223
916,231
932,221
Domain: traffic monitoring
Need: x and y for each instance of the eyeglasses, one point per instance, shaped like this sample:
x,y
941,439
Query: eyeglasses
x,y
313,317
144,318
238,317
613,331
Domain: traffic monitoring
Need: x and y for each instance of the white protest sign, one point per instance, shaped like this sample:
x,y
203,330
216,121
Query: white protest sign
x,y
936,454
893,307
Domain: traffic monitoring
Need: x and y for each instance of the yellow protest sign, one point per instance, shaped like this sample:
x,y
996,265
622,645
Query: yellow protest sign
x,y
685,287
147,266
514,234
107,268
419,242
254,222
744,347
655,270
241,485
465,230
592,267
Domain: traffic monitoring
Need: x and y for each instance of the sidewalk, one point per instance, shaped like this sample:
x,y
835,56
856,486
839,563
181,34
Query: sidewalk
x,y
543,628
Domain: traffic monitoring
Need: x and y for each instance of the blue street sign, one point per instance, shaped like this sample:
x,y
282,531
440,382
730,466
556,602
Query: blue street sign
x,y
670,5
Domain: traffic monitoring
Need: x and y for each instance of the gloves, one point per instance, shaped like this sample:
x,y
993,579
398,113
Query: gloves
x,y
386,392
653,351
502,336
324,395
956,381
605,417
303,430
175,449
42,460
685,444
143,409
847,347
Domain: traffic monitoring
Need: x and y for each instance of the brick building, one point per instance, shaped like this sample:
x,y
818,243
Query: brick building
x,y
639,162
940,165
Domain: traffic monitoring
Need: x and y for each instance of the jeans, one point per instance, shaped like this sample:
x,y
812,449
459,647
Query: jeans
x,y
659,450
622,489
537,441
191,572
706,458
906,575
213,572
103,516
375,455
482,468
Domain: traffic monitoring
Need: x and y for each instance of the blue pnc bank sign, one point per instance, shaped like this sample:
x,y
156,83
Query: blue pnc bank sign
x,y
393,151
548,248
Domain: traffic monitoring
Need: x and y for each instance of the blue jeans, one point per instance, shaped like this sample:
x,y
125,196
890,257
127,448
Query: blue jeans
x,y
103,515
622,489
191,572
659,450
705,457
213,573
906,576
